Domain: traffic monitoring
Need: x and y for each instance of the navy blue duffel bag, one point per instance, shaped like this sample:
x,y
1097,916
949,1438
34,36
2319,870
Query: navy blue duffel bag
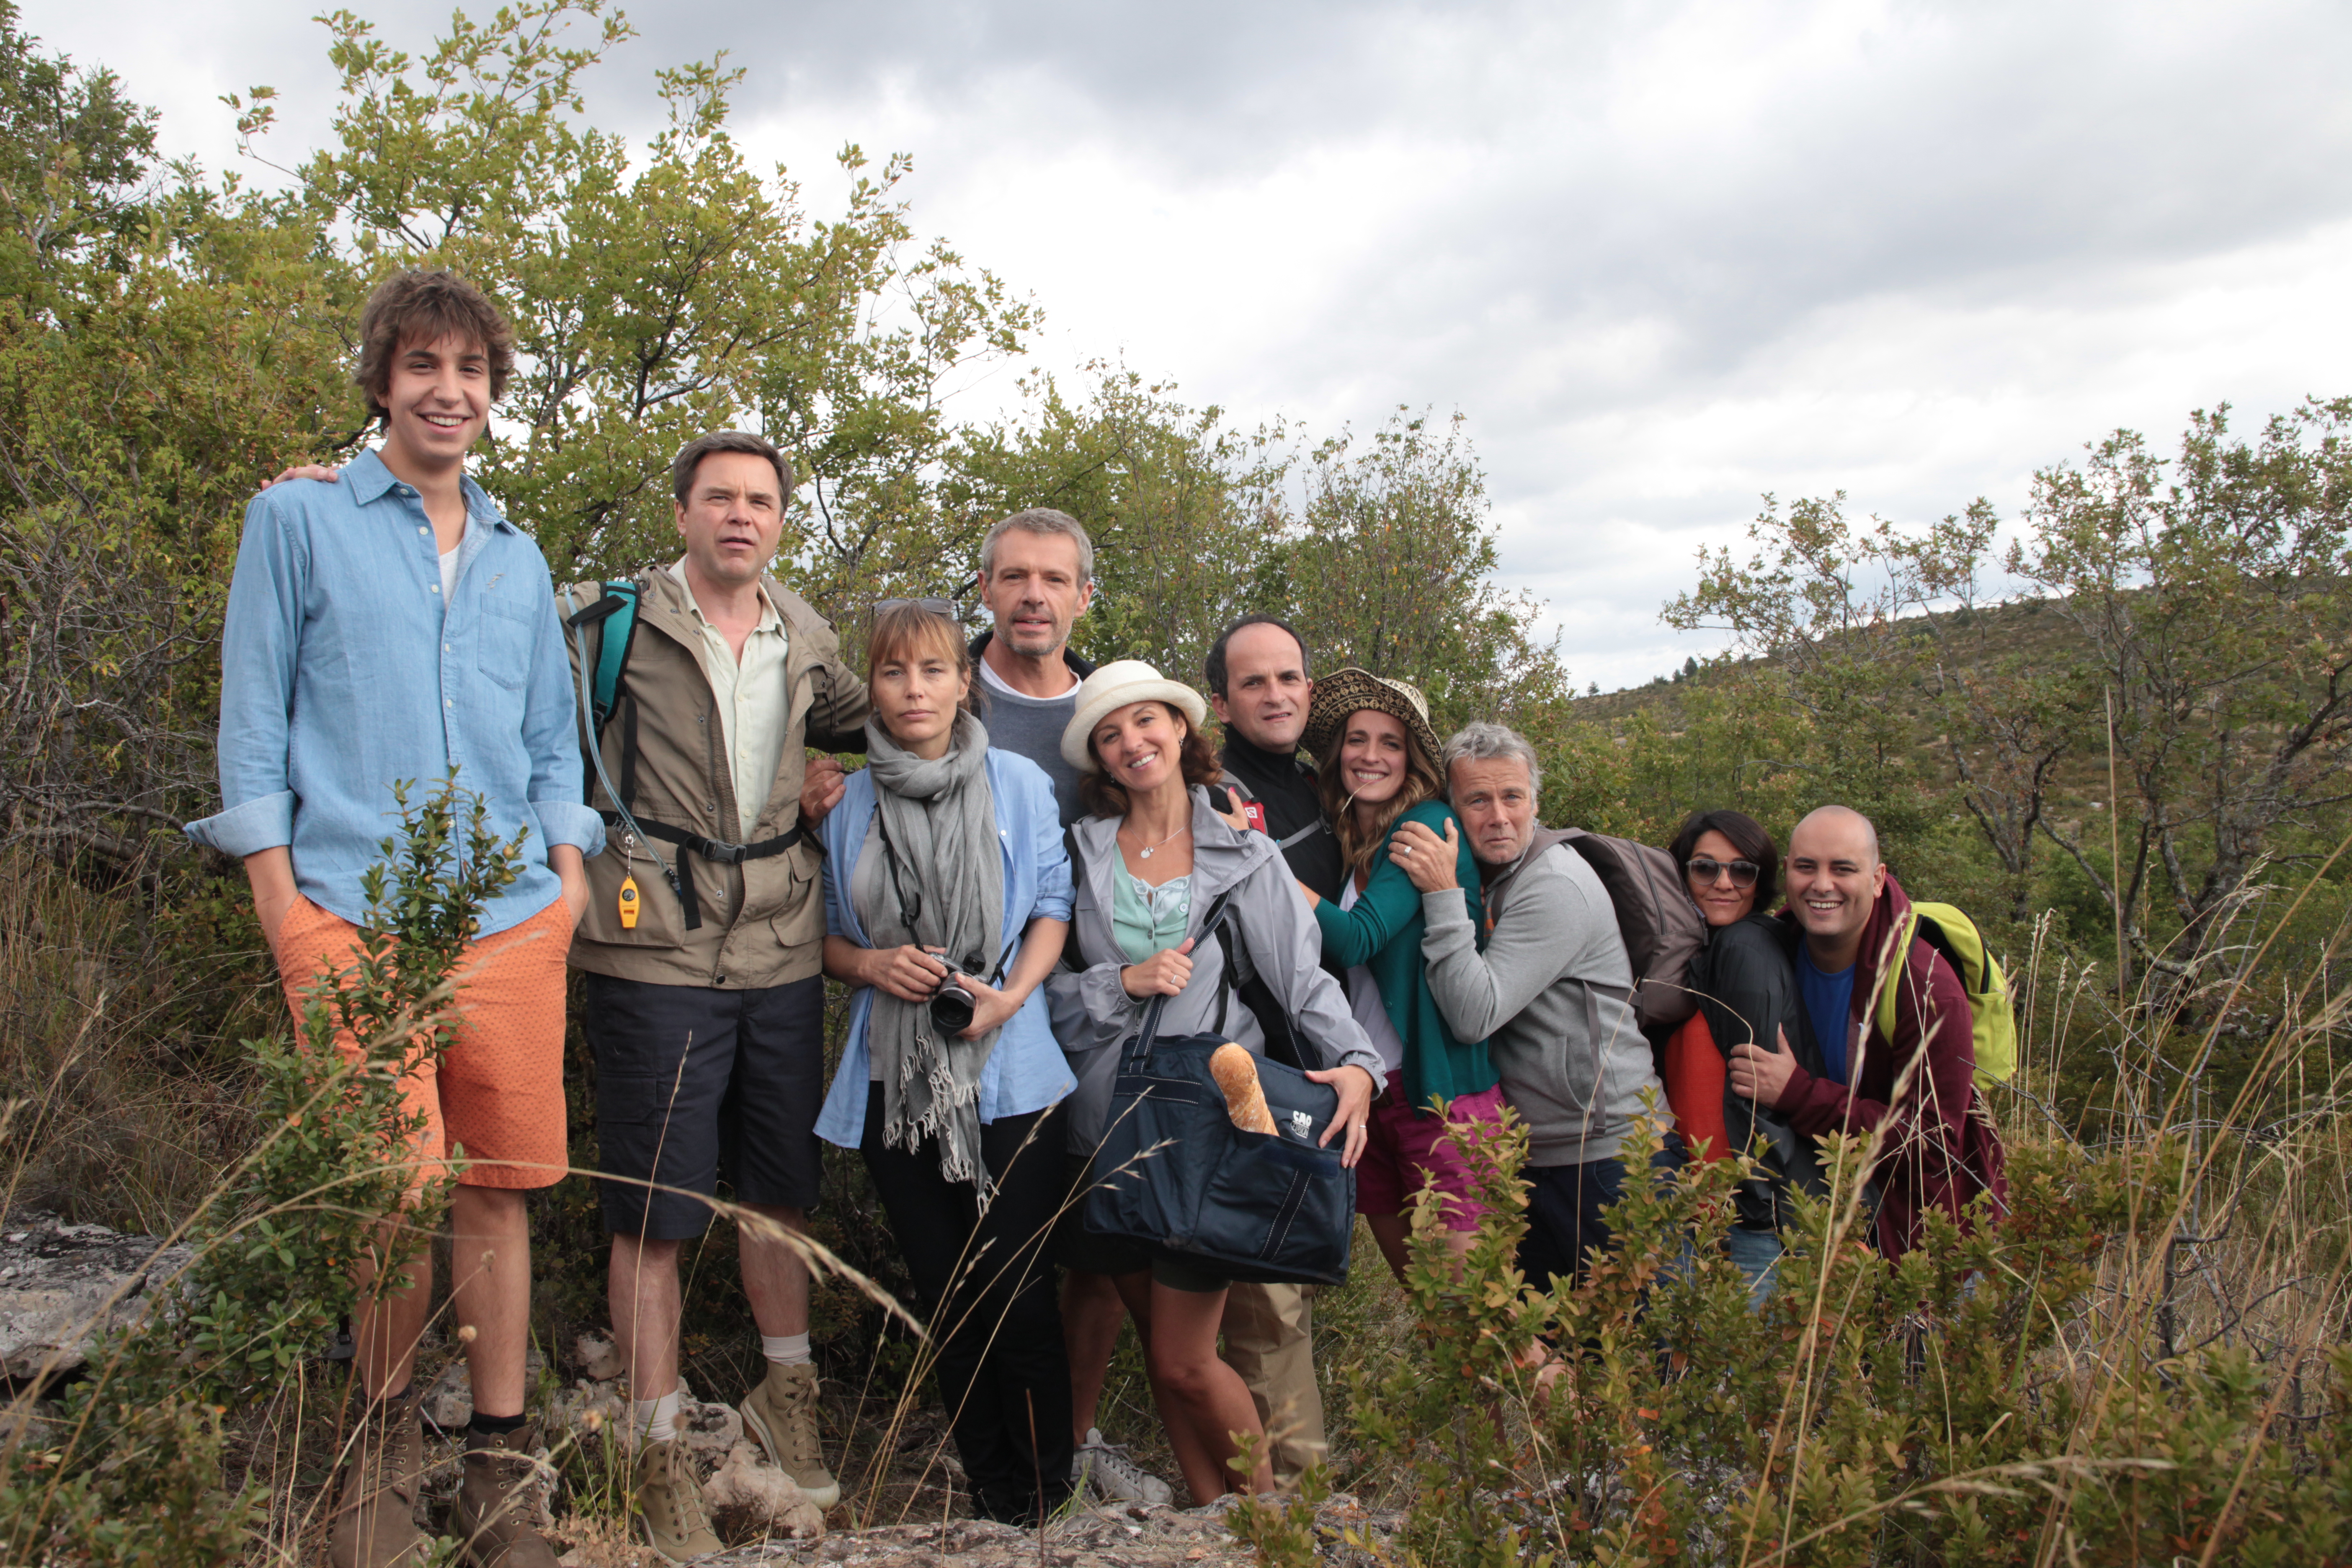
x,y
1174,1171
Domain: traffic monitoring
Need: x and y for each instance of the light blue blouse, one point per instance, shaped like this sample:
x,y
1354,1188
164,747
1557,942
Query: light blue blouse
x,y
1026,1071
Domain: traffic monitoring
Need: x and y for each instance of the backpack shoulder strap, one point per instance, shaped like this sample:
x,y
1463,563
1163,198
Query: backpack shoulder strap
x,y
615,617
1882,1014
613,648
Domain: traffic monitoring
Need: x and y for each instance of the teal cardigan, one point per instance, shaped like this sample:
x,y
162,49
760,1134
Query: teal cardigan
x,y
1383,933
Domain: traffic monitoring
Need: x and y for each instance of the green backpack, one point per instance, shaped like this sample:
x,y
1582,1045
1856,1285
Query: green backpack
x,y
1950,933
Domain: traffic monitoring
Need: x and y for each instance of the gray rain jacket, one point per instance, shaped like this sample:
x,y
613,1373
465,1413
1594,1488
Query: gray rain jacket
x,y
1551,993
1094,1016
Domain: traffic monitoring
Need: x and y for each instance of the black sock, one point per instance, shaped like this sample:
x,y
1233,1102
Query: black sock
x,y
495,1425
389,1400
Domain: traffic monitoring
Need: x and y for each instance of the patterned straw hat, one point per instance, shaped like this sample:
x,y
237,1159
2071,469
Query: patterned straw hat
x,y
1351,690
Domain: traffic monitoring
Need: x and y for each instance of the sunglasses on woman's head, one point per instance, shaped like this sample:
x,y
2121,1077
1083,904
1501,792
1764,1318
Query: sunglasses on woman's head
x,y
942,607
1702,870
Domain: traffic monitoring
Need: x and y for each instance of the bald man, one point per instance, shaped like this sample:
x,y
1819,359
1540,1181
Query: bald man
x,y
1915,1091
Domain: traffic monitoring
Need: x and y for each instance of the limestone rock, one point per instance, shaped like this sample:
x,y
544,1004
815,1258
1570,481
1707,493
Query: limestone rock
x,y
709,1431
764,1494
59,1284
599,1358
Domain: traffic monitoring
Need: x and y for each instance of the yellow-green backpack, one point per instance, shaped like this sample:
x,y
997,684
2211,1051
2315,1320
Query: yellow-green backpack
x,y
1952,933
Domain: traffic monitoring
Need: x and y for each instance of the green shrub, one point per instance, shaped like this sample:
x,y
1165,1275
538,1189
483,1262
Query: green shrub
x,y
136,1476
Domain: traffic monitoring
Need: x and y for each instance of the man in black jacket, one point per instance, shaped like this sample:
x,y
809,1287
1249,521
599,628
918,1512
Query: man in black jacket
x,y
1258,683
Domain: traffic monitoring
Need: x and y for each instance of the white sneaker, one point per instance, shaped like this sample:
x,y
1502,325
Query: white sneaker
x,y
1114,1477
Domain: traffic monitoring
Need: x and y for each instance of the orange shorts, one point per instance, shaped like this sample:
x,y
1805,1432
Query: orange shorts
x,y
496,1094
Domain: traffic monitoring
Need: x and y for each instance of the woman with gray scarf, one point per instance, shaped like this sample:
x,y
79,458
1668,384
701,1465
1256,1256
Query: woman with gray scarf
x,y
947,893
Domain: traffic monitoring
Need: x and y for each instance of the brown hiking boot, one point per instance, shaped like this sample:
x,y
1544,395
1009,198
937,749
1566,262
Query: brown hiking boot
x,y
669,1503
781,1413
494,1509
373,1524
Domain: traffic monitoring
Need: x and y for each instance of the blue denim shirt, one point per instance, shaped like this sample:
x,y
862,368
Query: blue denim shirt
x,y
1026,1071
342,671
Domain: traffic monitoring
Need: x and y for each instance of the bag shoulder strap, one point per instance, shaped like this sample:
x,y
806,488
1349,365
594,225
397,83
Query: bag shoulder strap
x,y
1139,1045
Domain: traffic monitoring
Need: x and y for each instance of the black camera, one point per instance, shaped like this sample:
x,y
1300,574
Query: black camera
x,y
951,1005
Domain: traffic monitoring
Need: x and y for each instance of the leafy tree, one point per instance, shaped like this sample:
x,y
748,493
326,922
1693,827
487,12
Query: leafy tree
x,y
2217,610
1825,635
1392,568
654,297
1186,514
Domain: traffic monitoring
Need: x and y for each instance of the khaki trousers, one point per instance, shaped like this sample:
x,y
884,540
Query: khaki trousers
x,y
1270,1341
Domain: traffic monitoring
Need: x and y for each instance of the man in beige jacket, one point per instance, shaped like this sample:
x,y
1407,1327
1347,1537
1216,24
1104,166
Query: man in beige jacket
x,y
703,1003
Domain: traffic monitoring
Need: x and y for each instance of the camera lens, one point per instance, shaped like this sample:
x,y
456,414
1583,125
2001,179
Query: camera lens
x,y
952,1008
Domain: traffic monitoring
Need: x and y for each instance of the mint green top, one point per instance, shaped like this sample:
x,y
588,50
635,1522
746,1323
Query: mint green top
x,y
1145,919
1383,933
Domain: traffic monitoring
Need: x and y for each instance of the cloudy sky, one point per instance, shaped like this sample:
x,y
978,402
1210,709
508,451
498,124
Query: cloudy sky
x,y
1664,256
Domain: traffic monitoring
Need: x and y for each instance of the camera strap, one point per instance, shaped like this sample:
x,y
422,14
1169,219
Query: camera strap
x,y
907,914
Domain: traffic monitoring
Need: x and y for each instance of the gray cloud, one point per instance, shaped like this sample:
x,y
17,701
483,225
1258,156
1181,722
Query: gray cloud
x,y
1664,256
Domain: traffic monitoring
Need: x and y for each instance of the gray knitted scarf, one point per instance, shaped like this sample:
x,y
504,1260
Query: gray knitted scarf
x,y
940,819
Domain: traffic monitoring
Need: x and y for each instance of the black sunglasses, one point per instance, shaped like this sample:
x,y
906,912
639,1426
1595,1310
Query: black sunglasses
x,y
1703,870
942,607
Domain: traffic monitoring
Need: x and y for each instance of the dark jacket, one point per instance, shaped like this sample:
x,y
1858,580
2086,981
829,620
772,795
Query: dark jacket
x,y
1746,988
1285,786
1940,1148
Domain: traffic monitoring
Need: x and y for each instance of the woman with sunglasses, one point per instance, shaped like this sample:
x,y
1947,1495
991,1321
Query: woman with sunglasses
x,y
1747,991
946,893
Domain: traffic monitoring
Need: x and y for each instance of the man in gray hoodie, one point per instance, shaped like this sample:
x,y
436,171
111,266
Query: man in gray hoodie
x,y
1551,993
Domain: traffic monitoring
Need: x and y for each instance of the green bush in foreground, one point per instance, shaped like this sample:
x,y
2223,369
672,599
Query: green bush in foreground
x,y
136,1474
1950,1410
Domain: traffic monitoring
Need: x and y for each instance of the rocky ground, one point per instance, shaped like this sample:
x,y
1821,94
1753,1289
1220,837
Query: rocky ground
x,y
61,1282
1122,1535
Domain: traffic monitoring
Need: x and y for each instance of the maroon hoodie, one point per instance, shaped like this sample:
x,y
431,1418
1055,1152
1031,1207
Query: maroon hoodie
x,y
1940,1148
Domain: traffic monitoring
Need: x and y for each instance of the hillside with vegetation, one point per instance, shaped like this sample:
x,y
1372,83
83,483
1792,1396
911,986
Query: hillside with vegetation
x,y
2144,1361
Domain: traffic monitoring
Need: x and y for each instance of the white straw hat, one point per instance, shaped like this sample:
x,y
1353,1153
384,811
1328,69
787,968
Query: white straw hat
x,y
1112,688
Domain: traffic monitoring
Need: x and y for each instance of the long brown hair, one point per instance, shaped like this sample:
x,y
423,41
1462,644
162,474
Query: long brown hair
x,y
1358,845
1106,796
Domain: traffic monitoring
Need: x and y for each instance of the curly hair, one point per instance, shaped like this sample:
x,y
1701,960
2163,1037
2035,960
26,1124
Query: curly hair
x,y
420,307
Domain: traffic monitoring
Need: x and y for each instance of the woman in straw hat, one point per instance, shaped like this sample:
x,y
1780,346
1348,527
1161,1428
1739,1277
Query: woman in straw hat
x,y
1151,860
1376,761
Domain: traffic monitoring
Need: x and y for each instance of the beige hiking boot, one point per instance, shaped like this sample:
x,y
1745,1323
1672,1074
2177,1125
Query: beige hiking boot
x,y
492,1517
781,1415
373,1526
669,1504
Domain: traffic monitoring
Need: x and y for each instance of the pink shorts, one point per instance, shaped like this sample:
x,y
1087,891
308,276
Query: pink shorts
x,y
1405,1150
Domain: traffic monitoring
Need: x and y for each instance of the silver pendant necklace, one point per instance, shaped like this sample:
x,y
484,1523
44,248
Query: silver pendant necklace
x,y
1145,852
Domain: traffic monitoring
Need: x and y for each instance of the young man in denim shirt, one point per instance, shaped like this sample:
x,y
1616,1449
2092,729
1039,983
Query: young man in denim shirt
x,y
390,628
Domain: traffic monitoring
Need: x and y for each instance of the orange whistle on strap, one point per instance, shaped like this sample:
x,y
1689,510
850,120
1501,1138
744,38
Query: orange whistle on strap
x,y
628,903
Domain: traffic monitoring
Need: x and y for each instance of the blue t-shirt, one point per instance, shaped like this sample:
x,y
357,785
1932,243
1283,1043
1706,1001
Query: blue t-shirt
x,y
1827,999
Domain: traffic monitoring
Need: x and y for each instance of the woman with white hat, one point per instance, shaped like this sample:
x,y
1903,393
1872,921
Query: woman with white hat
x,y
1377,768
1150,862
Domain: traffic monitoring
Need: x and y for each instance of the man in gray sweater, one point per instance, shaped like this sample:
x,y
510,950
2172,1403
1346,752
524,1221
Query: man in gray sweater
x,y
1551,993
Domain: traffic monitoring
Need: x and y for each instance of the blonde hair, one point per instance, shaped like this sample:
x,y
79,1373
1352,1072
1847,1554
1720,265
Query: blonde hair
x,y
1422,782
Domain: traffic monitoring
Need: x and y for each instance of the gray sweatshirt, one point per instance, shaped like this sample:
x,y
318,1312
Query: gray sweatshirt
x,y
1549,993
1093,1015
